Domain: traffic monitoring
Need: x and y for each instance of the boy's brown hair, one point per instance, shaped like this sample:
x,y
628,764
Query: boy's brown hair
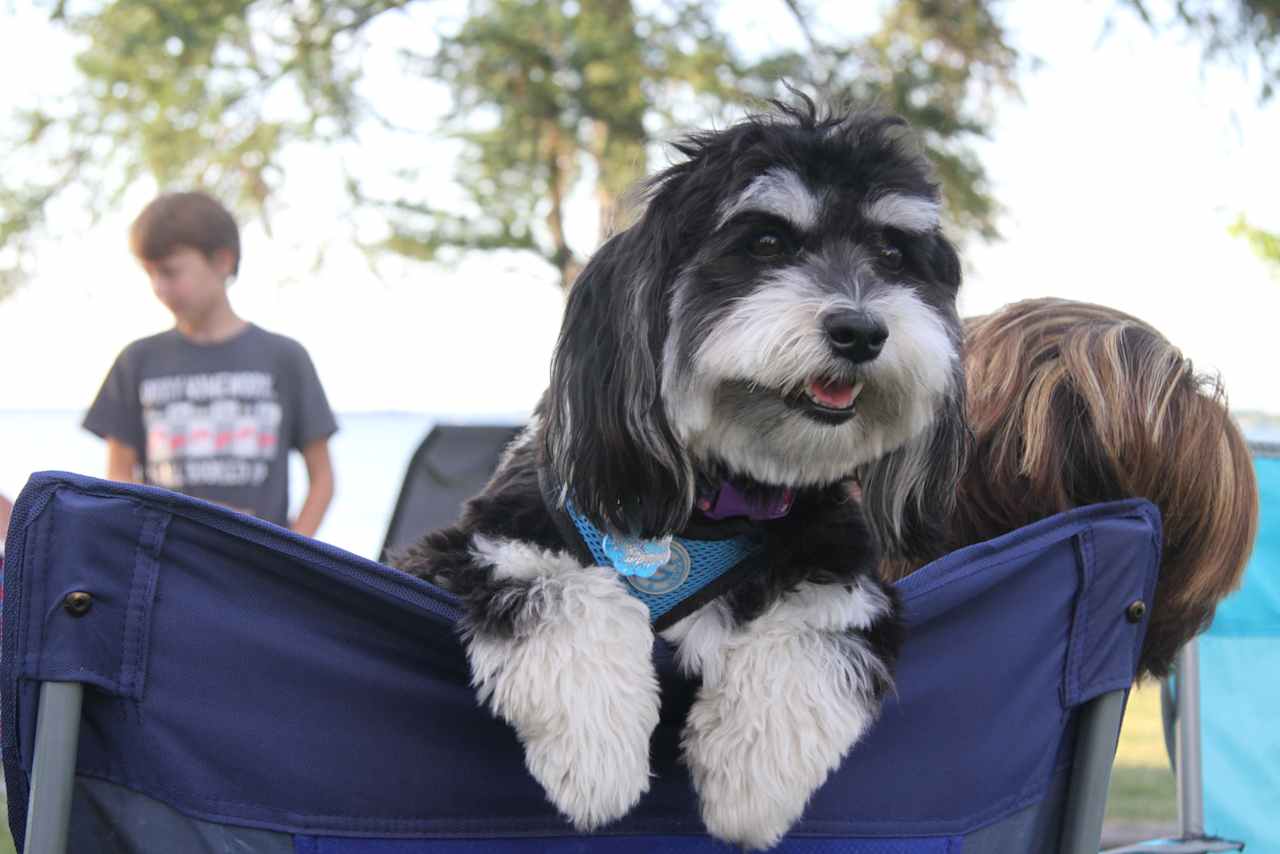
x,y
176,220
1073,403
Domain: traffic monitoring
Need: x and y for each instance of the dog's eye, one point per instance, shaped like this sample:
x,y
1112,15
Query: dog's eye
x,y
768,245
891,257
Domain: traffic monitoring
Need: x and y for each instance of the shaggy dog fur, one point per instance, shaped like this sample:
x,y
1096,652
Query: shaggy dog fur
x,y
781,317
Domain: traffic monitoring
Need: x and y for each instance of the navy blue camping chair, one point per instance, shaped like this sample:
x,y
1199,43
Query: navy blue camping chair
x,y
177,677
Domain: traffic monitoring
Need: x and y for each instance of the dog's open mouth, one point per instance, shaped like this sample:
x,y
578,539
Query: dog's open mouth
x,y
834,395
832,401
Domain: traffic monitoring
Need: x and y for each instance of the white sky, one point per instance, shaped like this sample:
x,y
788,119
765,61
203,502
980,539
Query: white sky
x,y
1120,170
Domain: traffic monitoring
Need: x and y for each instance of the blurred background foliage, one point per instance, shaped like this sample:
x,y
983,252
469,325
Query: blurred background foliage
x,y
549,99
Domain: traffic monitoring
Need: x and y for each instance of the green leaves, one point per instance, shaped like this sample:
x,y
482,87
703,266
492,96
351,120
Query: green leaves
x,y
1264,243
553,103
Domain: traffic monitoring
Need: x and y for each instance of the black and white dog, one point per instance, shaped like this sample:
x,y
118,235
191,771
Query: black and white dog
x,y
780,321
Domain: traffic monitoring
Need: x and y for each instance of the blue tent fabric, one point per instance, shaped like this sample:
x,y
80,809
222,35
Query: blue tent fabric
x,y
1240,691
243,675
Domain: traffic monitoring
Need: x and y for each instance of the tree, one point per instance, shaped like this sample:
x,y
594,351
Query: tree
x,y
560,91
1245,32
184,92
1240,31
551,97
938,63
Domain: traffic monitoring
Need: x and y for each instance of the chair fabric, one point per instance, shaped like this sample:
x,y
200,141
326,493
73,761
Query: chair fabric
x,y
1240,691
243,676
451,464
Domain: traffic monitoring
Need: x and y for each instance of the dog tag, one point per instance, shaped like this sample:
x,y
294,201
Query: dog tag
x,y
668,578
634,556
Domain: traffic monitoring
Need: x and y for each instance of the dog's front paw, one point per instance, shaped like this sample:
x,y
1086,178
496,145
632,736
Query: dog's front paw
x,y
577,683
765,737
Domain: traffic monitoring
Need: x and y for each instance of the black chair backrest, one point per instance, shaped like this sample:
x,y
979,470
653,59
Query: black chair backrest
x,y
453,463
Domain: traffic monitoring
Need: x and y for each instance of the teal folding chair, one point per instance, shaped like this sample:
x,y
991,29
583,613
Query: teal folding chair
x,y
1222,708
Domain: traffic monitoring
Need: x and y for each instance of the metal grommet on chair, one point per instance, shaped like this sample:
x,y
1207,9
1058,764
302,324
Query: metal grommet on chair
x,y
78,603
1136,611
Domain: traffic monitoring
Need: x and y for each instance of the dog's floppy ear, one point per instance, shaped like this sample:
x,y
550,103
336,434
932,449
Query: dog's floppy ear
x,y
607,437
908,495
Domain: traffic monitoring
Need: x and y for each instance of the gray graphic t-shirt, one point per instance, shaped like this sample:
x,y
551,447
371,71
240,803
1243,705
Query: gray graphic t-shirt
x,y
216,421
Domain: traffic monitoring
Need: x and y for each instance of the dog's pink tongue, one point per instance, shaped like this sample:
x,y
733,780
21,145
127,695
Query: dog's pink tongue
x,y
832,394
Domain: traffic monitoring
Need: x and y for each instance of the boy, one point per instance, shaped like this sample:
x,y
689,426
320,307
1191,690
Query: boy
x,y
211,407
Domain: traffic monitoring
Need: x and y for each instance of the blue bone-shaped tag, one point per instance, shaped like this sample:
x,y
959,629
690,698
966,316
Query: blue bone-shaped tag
x,y
634,556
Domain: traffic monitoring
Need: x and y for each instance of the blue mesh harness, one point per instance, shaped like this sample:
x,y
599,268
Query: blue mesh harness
x,y
694,566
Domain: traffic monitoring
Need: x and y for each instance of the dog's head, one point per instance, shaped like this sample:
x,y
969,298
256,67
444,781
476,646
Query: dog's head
x,y
783,311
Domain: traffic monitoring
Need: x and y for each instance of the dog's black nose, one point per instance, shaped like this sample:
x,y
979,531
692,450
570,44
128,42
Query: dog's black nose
x,y
855,335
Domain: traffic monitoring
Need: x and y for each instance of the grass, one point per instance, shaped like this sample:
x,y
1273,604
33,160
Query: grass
x,y
6,841
1142,787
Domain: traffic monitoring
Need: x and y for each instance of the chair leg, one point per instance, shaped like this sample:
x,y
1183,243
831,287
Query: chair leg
x,y
1190,775
1192,838
53,774
1099,730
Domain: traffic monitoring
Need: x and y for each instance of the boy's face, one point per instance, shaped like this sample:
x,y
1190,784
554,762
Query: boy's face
x,y
188,282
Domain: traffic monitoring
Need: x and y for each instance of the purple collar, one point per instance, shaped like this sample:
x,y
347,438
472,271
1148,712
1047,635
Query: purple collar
x,y
728,502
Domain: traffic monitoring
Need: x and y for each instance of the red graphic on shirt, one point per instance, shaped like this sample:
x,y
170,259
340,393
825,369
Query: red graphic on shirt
x,y
211,440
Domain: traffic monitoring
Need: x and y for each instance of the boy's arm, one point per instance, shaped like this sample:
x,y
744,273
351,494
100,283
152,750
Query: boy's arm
x,y
122,461
6,511
319,487
116,416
